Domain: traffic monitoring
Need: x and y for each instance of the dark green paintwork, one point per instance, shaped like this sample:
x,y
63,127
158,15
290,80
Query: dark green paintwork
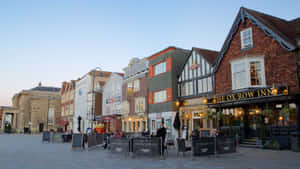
x,y
168,79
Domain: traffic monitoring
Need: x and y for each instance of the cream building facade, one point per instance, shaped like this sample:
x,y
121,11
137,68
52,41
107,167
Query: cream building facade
x,y
37,109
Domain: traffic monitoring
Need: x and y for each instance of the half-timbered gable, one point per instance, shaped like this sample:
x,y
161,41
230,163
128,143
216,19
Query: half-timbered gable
x,y
196,77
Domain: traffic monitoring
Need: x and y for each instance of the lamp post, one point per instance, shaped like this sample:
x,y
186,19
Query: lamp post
x,y
93,95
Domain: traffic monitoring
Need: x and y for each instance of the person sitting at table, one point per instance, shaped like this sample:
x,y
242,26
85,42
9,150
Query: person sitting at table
x,y
195,135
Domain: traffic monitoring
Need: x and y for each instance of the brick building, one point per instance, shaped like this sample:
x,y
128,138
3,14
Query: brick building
x,y
257,74
67,93
135,94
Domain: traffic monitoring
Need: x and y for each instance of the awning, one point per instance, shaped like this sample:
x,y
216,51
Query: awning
x,y
63,123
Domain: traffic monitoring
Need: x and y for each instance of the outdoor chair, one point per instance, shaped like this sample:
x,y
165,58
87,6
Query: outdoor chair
x,y
181,147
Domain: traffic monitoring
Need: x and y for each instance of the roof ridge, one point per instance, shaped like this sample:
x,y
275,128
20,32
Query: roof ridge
x,y
206,49
265,14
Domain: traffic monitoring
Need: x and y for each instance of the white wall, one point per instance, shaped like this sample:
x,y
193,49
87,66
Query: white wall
x,y
83,87
112,90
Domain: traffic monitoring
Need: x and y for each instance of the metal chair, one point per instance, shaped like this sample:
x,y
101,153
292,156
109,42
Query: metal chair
x,y
181,147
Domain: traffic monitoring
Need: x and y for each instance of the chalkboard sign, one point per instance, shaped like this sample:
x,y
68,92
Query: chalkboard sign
x,y
46,136
92,141
77,141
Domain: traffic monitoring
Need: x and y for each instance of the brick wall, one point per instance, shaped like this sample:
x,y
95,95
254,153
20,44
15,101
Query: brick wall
x,y
280,64
141,93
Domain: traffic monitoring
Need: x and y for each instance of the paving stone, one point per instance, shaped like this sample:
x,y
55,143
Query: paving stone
x,y
28,152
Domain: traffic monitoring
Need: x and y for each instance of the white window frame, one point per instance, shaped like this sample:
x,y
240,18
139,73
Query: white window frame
x,y
136,85
243,45
247,61
160,96
160,68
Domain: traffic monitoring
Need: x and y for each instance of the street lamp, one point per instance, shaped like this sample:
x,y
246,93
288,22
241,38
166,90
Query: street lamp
x,y
93,95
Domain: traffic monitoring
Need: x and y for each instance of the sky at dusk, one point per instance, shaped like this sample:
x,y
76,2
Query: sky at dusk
x,y
54,41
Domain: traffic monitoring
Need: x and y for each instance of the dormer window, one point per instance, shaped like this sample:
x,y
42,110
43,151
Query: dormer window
x,y
246,38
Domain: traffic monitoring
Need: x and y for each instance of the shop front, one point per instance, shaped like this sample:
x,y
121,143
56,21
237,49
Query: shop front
x,y
195,115
255,113
134,123
111,123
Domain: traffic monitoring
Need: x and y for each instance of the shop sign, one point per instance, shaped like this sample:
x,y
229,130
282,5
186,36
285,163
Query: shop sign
x,y
244,95
194,66
113,100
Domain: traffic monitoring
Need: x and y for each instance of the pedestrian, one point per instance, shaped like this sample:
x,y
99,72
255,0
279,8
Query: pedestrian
x,y
195,135
161,132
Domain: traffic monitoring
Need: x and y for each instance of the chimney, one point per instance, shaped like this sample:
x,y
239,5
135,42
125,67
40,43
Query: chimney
x,y
40,84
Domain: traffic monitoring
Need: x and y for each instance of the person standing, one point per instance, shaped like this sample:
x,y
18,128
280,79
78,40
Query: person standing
x,y
161,132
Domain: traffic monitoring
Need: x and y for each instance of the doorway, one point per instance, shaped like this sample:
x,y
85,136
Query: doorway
x,y
41,127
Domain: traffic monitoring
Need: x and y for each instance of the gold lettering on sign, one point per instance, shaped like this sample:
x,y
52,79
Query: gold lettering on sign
x,y
250,94
269,92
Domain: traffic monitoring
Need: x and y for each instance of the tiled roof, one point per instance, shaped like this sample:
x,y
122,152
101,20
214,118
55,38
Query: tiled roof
x,y
288,30
47,89
210,55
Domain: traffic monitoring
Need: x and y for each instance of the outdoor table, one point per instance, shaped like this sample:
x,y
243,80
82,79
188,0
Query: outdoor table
x,y
67,137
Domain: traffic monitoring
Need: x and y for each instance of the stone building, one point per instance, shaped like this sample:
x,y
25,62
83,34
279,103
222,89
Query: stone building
x,y
134,96
8,116
38,109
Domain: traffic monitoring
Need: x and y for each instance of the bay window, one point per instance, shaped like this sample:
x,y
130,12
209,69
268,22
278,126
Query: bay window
x,y
248,72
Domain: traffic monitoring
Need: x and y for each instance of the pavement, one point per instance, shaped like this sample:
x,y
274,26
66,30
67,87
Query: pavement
x,y
28,152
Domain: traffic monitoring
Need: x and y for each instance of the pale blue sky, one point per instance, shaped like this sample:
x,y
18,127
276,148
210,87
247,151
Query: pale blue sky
x,y
58,40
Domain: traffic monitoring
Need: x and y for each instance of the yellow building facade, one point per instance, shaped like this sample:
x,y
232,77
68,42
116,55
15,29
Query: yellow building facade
x,y
37,109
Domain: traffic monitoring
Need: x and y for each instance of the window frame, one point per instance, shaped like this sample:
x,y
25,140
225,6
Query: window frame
x,y
164,68
159,101
243,45
247,62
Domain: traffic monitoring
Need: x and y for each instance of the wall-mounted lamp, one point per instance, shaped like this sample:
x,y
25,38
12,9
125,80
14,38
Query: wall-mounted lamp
x,y
177,103
204,100
214,101
285,91
274,90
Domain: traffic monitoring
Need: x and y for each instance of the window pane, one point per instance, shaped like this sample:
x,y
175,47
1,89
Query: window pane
x,y
246,38
205,85
239,75
160,68
209,84
255,73
200,90
191,88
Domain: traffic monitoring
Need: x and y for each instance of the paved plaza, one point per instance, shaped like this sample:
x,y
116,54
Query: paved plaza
x,y
28,152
